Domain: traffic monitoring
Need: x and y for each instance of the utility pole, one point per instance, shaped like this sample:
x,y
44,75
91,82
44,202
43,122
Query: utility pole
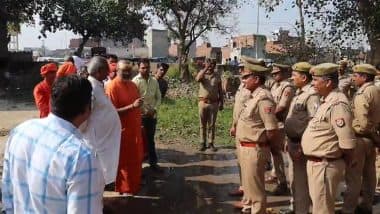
x,y
257,27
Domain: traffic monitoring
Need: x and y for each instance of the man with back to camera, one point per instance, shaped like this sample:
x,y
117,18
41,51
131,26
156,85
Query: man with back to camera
x,y
48,168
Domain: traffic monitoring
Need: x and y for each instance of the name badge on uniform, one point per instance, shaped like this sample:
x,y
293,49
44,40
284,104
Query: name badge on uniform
x,y
340,122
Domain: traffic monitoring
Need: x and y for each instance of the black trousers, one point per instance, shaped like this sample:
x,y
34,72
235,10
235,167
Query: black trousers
x,y
150,129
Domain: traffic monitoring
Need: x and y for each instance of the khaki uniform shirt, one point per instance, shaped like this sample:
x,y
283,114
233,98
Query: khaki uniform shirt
x,y
345,85
241,96
366,105
209,86
377,81
269,82
283,93
257,117
330,130
302,109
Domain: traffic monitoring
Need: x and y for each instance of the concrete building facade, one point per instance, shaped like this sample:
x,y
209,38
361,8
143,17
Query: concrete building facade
x,y
157,42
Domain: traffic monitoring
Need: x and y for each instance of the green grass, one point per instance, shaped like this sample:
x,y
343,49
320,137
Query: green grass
x,y
178,120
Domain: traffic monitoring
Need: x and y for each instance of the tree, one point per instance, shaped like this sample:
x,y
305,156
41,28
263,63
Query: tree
x,y
12,13
301,45
187,20
93,19
344,20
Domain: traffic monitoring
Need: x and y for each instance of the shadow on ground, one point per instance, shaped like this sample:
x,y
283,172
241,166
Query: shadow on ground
x,y
189,185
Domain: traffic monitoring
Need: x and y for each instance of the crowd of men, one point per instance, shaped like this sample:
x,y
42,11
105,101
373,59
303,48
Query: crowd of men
x,y
90,137
326,121
97,125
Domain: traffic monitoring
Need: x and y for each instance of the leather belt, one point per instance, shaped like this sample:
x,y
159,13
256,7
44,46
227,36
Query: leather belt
x,y
252,144
318,159
207,100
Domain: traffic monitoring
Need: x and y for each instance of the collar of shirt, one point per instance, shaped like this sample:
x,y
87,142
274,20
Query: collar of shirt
x,y
256,91
64,124
330,97
95,81
305,88
364,86
142,78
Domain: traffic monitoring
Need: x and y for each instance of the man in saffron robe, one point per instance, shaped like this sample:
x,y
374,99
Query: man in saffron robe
x,y
42,90
126,98
67,68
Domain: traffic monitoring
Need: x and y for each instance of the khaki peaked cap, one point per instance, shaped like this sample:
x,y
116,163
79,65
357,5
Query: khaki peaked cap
x,y
324,69
302,67
365,68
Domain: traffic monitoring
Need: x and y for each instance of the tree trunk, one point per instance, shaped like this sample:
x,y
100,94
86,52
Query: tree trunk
x,y
302,26
183,64
81,45
374,54
4,39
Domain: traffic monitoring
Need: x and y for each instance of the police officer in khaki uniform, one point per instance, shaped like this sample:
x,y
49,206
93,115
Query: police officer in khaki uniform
x,y
345,81
328,141
362,176
302,109
257,129
282,92
241,97
210,101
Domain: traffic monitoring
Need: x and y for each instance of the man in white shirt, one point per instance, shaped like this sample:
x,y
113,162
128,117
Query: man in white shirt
x,y
78,61
103,129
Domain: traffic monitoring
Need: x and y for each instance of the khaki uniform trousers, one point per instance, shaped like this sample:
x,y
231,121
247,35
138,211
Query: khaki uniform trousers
x,y
278,160
299,185
253,160
207,119
323,178
361,177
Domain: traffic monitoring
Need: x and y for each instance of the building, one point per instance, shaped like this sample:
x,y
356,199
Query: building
x,y
157,42
206,50
252,45
13,42
174,49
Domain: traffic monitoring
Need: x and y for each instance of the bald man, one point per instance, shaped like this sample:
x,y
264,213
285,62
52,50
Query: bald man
x,y
103,129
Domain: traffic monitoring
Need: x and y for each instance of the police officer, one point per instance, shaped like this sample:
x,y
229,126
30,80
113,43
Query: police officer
x,y
328,141
210,101
241,96
366,105
345,81
282,92
257,129
302,109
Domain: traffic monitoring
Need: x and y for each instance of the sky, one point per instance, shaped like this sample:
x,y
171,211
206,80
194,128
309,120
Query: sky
x,y
245,20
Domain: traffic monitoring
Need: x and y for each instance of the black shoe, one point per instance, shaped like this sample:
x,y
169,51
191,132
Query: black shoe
x,y
286,211
212,147
203,147
156,168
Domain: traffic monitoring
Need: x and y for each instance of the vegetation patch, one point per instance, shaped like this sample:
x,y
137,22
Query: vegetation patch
x,y
178,120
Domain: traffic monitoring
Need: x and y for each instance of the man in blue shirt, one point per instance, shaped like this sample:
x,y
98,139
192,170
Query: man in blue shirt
x,y
47,166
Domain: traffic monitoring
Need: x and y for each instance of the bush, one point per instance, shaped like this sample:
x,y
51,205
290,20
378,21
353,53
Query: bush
x,y
173,72
178,120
